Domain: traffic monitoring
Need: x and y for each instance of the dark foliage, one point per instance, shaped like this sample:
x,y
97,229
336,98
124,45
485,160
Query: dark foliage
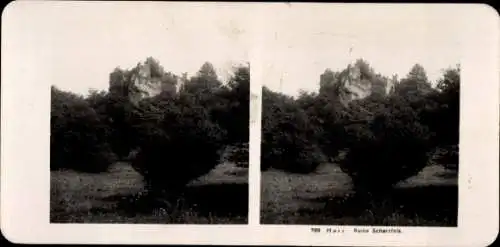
x,y
238,154
177,141
411,202
388,133
78,136
175,136
288,138
390,146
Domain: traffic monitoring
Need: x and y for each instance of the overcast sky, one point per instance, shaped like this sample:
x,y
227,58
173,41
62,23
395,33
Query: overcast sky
x,y
81,43
303,42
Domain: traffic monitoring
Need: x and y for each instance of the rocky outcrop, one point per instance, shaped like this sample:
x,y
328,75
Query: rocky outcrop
x,y
151,82
391,84
354,85
147,79
357,81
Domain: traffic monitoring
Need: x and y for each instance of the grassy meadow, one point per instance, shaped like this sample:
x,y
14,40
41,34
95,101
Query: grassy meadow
x,y
322,198
114,197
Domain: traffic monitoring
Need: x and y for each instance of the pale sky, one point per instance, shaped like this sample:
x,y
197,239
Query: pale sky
x,y
81,43
302,42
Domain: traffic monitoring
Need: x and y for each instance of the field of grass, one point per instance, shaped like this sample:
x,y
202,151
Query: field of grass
x,y
322,197
109,198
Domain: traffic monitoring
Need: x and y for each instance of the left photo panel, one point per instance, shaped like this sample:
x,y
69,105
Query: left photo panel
x,y
149,119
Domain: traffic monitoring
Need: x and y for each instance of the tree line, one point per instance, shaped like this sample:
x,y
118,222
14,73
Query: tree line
x,y
171,128
178,133
378,139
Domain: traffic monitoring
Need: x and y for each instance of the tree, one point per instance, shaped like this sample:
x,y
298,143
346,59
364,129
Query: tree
x,y
388,132
331,85
363,81
126,89
327,79
391,146
170,130
203,117
391,86
207,71
122,96
155,69
206,81
98,100
288,141
357,81
415,84
78,136
121,84
379,85
450,82
235,114
324,114
418,74
155,79
444,117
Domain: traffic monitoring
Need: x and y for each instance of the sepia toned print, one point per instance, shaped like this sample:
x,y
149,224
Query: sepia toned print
x,y
151,144
300,124
360,147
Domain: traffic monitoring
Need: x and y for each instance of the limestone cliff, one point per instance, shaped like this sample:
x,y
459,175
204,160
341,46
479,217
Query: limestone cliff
x,y
150,80
354,85
357,81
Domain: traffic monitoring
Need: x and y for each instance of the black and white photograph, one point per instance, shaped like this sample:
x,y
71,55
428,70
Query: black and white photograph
x,y
360,123
149,118
240,123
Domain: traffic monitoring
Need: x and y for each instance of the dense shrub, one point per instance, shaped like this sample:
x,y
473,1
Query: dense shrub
x,y
447,156
237,154
78,137
234,116
182,136
387,134
288,138
177,141
172,137
119,110
444,117
380,131
391,146
324,117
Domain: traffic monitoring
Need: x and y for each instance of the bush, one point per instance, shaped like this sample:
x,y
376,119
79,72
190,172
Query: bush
x,y
237,154
177,141
442,115
446,156
289,140
119,109
302,158
78,137
290,152
324,117
392,146
233,113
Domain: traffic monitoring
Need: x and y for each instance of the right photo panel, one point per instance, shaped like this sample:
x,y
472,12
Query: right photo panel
x,y
360,120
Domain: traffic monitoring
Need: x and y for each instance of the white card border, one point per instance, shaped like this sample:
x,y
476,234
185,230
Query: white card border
x,y
25,176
